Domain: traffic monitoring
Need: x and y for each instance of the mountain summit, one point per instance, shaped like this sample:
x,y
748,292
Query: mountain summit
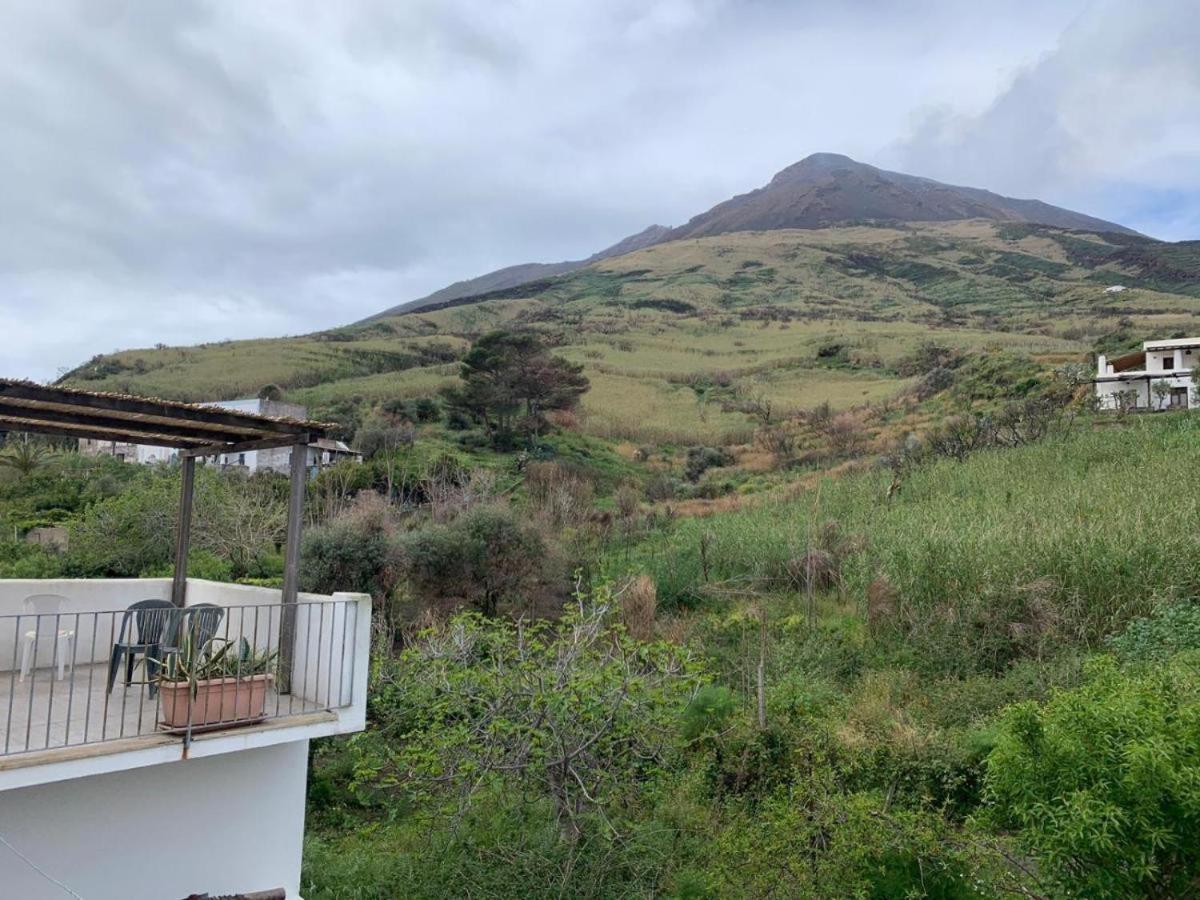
x,y
820,191
828,189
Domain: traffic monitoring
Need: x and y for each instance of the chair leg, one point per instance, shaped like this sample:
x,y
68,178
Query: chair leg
x,y
62,655
131,657
26,650
152,665
114,666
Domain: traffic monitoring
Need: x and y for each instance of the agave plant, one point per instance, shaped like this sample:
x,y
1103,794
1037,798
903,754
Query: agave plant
x,y
199,661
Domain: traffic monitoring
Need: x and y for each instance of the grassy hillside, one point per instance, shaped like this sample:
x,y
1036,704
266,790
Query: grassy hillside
x,y
800,317
998,638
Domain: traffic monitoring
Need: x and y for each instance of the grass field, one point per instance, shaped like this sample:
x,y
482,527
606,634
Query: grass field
x,y
1057,541
802,317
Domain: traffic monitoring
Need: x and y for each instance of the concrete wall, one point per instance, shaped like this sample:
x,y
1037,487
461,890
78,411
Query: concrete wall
x,y
1106,391
220,825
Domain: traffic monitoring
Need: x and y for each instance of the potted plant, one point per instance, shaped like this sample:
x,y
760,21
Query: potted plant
x,y
219,682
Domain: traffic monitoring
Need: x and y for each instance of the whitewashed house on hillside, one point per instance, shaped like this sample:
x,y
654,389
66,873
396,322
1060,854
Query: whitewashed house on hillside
x,y
1157,377
124,776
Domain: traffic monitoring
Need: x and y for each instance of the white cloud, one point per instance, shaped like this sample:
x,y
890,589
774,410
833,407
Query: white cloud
x,y
1107,122
196,170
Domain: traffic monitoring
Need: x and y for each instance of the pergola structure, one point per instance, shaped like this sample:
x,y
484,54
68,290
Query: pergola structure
x,y
195,431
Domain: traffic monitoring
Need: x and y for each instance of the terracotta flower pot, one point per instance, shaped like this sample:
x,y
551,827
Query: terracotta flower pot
x,y
216,701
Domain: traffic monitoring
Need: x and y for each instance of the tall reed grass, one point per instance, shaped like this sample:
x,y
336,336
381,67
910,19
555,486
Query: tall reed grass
x,y
1010,553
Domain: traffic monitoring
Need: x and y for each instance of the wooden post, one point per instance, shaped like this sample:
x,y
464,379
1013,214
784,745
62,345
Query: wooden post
x,y
183,533
291,565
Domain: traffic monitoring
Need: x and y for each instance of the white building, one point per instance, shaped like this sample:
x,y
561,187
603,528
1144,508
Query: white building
x,y
1157,377
97,796
119,784
322,452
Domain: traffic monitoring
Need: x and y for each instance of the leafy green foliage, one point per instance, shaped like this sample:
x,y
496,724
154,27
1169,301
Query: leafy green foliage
x,y
358,552
1103,781
566,711
1170,629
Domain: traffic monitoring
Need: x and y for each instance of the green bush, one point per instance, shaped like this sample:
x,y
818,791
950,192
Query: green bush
x,y
201,564
359,552
487,556
811,840
21,560
573,713
1170,629
701,459
1102,783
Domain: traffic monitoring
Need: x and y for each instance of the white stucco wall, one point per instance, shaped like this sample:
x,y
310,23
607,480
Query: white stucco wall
x,y
1106,391
221,824
85,596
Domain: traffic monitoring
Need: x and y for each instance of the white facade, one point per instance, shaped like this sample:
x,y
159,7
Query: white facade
x,y
146,814
1158,377
221,824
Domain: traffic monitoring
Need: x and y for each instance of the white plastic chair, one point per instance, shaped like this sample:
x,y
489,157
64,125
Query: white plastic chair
x,y
46,607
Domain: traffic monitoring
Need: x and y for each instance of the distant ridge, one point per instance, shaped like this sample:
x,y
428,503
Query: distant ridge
x,y
523,273
820,191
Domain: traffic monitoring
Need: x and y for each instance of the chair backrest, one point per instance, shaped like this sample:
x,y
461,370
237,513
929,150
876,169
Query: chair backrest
x,y
154,620
202,621
44,604
48,611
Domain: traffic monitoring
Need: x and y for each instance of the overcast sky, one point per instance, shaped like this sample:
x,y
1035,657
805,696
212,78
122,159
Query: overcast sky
x,y
187,171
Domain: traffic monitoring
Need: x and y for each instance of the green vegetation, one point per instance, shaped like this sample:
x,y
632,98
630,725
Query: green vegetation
x,y
889,684
767,564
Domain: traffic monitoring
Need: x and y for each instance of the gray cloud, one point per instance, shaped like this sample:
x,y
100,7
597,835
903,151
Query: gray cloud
x,y
1108,121
192,170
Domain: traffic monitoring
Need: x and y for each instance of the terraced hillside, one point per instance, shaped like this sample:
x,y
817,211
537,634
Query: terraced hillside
x,y
670,332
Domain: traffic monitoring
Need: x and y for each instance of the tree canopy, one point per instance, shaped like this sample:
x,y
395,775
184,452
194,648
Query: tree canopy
x,y
510,380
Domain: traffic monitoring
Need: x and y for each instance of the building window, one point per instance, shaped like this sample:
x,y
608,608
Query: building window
x,y
1168,362
241,459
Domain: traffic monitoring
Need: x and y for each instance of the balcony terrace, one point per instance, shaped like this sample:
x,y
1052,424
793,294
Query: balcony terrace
x,y
55,703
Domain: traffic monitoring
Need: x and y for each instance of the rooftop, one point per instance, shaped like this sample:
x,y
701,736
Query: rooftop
x,y
1172,344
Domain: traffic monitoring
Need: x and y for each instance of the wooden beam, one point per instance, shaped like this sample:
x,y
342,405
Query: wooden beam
x,y
264,444
291,565
136,419
147,407
32,426
183,533
96,421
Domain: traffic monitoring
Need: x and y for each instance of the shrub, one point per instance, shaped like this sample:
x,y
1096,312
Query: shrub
x,y
485,557
21,560
568,712
377,436
201,564
661,486
1101,781
701,459
1170,629
358,552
